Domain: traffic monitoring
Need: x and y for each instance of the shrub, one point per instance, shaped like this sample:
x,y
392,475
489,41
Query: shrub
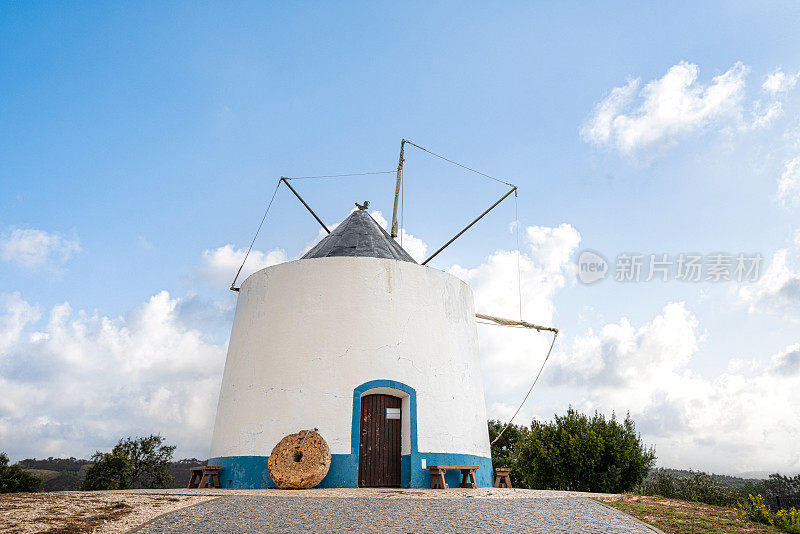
x,y
14,479
581,453
697,487
132,463
660,483
755,509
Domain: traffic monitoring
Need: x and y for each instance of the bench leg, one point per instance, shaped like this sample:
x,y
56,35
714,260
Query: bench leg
x,y
193,483
215,481
467,479
437,480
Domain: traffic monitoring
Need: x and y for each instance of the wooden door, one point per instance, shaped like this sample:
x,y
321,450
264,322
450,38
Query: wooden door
x,y
379,444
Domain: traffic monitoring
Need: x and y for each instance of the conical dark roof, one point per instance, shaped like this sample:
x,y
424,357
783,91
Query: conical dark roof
x,y
359,235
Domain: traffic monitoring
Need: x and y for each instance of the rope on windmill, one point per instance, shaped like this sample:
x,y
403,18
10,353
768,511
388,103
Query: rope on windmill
x,y
520,324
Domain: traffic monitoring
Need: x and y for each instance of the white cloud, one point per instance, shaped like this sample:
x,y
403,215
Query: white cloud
x,y
666,108
622,356
33,249
511,357
553,247
221,264
80,382
763,115
739,421
786,362
17,315
777,290
789,183
779,82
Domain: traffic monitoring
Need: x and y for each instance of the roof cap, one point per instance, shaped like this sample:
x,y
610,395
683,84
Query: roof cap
x,y
359,235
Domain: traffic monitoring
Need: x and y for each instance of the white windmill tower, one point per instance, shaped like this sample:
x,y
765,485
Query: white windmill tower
x,y
357,339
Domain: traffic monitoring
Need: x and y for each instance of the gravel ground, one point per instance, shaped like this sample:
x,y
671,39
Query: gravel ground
x,y
379,493
83,512
262,513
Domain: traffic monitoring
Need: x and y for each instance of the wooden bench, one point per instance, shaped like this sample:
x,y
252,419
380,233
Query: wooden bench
x,y
502,477
209,473
467,475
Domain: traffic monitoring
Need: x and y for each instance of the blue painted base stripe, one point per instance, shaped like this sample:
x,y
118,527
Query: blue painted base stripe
x,y
243,472
251,472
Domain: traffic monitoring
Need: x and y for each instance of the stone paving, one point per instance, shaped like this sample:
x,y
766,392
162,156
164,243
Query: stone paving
x,y
267,514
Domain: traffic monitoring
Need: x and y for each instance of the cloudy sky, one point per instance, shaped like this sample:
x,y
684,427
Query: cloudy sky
x,y
140,147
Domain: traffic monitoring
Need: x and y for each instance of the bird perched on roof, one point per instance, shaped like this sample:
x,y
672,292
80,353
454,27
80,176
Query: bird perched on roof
x,y
363,206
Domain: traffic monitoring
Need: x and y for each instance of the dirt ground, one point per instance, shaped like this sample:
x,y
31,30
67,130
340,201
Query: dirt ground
x,y
682,517
78,512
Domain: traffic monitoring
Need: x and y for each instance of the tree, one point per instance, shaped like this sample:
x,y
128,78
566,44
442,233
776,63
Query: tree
x,y
132,463
15,479
505,450
780,485
580,453
111,471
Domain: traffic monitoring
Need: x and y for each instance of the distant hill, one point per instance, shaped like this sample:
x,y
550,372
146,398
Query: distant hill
x,y
57,474
63,474
723,480
760,475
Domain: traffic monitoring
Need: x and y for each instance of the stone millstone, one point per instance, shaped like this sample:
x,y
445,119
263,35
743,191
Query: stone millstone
x,y
292,470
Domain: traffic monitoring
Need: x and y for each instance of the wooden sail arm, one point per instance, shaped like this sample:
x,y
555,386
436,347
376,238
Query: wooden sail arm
x,y
512,322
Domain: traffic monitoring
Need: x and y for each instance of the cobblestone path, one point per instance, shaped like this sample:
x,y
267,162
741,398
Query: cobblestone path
x,y
362,515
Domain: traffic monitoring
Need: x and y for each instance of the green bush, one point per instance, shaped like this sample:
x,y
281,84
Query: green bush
x,y
132,463
575,452
14,479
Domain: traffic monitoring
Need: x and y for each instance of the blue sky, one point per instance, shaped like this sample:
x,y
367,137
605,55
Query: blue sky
x,y
137,142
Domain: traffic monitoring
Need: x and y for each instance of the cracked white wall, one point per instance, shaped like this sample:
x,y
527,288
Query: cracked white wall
x,y
306,333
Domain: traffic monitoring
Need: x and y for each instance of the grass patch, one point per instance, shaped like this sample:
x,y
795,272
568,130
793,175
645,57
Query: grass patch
x,y
682,517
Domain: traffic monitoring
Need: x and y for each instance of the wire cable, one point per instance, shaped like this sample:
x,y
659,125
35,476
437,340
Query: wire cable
x,y
338,175
555,335
459,164
233,284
